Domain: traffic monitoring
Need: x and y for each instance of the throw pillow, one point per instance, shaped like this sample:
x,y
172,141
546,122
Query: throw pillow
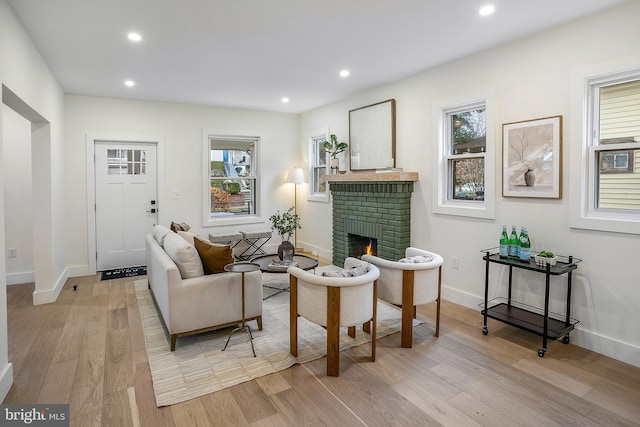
x,y
418,259
179,227
159,233
356,270
188,236
214,257
184,255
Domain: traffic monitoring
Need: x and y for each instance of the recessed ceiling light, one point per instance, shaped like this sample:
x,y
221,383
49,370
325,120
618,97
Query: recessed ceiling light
x,y
129,83
134,37
487,10
285,99
344,73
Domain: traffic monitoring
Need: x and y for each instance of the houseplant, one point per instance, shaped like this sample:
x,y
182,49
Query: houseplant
x,y
285,224
334,148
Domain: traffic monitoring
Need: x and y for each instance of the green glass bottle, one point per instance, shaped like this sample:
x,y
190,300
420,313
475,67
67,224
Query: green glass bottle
x,y
525,245
514,243
504,243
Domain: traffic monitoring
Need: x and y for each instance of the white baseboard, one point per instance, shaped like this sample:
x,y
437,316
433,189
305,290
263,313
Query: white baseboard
x,y
6,380
624,352
51,295
79,270
20,278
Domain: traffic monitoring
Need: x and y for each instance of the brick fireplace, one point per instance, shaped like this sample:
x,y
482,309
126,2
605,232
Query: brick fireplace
x,y
373,206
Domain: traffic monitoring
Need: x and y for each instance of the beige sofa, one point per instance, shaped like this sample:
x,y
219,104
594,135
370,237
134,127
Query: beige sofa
x,y
200,302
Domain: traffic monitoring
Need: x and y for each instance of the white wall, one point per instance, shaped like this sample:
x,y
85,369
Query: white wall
x,y
23,71
18,197
181,128
528,79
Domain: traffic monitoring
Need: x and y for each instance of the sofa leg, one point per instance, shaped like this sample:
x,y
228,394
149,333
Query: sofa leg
x,y
174,337
259,320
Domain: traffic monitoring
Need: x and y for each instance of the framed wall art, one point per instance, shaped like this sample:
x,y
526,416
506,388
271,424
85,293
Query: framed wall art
x,y
372,136
532,158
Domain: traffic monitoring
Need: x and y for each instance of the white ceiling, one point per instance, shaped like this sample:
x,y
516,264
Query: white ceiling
x,y
251,53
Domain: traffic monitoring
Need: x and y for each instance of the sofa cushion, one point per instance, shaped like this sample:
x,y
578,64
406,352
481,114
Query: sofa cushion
x,y
184,255
214,256
159,233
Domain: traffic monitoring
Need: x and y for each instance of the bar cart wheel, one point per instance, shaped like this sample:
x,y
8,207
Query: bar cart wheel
x,y
541,352
485,330
566,339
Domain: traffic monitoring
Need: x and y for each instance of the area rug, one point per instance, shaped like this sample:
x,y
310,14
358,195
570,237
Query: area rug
x,y
118,273
198,366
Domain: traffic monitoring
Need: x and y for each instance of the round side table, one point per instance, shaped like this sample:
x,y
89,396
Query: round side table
x,y
242,267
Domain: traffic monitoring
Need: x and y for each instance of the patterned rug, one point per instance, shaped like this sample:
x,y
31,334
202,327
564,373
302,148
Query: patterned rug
x,y
198,366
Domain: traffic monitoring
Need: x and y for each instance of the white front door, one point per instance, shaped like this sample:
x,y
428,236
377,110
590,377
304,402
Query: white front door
x,y
126,207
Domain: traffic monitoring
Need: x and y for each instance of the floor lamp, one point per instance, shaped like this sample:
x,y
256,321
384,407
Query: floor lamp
x,y
295,177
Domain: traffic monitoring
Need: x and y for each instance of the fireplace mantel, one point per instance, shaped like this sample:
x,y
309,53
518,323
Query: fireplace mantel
x,y
373,177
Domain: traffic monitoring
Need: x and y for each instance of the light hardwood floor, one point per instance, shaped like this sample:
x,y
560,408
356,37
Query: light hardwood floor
x,y
87,349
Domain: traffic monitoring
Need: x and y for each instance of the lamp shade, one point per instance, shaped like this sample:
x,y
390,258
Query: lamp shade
x,y
295,176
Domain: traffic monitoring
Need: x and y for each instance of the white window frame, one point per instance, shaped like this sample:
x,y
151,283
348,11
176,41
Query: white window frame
x,y
313,137
207,219
584,215
442,202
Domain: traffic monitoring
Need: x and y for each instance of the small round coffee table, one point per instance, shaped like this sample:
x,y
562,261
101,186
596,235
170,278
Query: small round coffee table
x,y
301,261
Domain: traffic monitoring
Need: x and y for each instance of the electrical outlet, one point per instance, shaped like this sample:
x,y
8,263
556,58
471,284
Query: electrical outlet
x,y
455,262
12,252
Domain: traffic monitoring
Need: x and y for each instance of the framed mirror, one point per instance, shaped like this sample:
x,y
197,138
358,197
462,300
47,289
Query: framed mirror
x,y
372,136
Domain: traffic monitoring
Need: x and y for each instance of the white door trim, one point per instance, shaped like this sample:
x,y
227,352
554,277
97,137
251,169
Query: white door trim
x,y
91,140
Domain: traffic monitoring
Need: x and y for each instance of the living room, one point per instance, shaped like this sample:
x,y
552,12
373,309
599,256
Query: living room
x,y
540,76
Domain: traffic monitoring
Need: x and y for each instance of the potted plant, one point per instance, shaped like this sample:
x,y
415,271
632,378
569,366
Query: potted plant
x,y
285,224
334,148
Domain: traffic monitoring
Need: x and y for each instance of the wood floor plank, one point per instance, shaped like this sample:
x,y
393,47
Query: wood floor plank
x,y
150,414
437,408
58,382
191,413
27,381
116,409
481,413
118,369
536,367
87,392
370,398
272,384
223,409
255,404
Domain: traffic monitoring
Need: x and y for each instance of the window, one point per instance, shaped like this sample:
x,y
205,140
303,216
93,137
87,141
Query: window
x,y
126,162
611,182
231,179
463,162
318,186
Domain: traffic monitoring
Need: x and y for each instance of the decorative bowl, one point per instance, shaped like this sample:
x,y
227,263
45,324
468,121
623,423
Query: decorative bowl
x,y
543,260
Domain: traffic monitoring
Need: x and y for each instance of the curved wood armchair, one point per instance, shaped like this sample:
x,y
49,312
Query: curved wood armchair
x,y
408,285
333,302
